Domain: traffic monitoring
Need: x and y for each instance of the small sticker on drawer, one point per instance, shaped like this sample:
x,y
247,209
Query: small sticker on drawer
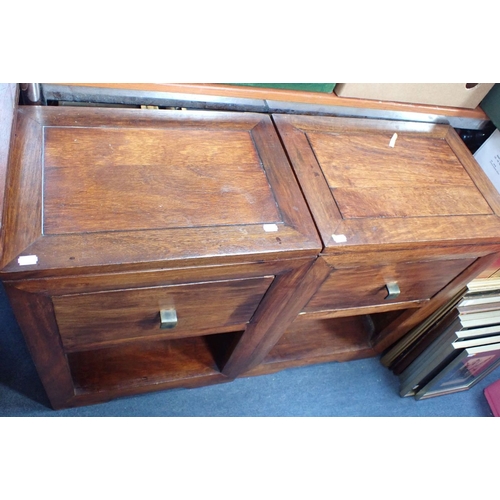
x,y
270,228
27,260
339,238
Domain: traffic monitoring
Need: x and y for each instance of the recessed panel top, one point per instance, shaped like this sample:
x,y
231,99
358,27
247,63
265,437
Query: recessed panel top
x,y
380,174
379,182
112,179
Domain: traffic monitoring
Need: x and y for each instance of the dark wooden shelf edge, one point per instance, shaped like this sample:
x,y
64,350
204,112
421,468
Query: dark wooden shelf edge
x,y
359,311
84,398
156,336
341,356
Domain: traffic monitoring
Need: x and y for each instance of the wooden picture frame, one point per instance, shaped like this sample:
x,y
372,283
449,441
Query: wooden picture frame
x,y
466,370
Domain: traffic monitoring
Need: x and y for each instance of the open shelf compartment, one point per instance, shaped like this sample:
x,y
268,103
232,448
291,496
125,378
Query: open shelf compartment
x,y
168,363
326,340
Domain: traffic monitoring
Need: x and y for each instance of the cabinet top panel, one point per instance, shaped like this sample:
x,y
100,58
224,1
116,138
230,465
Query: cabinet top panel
x,y
93,187
110,179
382,182
416,177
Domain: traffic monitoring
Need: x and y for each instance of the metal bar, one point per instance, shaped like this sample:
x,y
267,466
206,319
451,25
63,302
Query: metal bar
x,y
209,102
32,92
118,96
324,110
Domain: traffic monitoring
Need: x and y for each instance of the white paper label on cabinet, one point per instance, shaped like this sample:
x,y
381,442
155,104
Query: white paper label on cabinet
x,y
27,260
392,142
270,228
339,238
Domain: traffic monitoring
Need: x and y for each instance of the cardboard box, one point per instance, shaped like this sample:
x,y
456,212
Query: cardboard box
x,y
459,95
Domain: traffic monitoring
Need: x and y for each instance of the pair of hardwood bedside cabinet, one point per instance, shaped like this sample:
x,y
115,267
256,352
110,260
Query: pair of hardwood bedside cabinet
x,y
150,249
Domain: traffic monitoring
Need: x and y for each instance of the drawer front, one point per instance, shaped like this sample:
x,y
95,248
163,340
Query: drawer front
x,y
97,319
367,286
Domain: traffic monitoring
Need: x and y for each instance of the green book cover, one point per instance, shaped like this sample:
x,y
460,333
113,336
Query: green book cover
x,y
308,87
491,105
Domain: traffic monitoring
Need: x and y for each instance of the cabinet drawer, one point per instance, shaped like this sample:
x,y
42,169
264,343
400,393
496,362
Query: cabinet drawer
x,y
103,318
367,286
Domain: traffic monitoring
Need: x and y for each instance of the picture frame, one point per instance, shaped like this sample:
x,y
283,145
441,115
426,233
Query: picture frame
x,y
464,371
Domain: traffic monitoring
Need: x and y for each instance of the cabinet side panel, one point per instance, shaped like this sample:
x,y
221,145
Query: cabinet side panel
x,y
22,219
35,315
8,105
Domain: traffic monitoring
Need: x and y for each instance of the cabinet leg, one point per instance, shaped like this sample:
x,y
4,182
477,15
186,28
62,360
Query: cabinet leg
x,y
35,315
287,296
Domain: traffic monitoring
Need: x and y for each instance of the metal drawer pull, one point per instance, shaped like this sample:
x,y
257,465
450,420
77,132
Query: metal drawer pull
x,y
168,318
393,290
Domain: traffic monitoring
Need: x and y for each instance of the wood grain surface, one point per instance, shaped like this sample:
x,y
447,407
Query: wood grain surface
x,y
91,320
108,322
144,187
286,297
35,315
320,338
366,188
23,196
143,365
419,176
9,95
111,179
366,286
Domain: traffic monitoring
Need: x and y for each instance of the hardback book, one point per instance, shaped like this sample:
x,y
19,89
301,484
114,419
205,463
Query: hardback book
x,y
492,337
483,306
484,285
472,299
480,319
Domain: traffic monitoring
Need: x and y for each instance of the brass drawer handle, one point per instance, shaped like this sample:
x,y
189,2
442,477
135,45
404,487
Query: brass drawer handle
x,y
393,290
168,318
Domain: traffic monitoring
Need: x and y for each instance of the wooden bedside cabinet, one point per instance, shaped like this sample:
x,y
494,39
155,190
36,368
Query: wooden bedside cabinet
x,y
149,249
407,218
152,249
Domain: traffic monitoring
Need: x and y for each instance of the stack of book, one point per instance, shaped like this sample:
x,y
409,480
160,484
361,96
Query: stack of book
x,y
454,348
